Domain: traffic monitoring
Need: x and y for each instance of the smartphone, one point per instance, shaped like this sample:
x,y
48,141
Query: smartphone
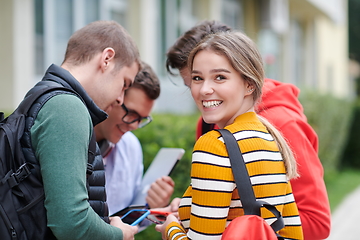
x,y
127,209
157,217
135,216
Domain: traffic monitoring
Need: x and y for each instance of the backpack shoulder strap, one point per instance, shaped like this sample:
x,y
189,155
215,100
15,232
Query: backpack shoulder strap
x,y
29,99
240,173
91,154
242,179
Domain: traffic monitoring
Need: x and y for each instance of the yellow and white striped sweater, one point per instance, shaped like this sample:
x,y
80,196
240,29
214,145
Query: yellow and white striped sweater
x,y
212,201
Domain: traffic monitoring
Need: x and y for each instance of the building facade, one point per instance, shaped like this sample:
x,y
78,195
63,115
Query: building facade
x,y
304,42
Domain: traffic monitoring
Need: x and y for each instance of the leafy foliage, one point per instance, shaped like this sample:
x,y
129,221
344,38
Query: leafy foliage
x,y
169,130
330,117
351,154
354,30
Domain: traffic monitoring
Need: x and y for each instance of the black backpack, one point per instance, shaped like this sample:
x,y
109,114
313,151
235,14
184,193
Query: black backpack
x,y
22,211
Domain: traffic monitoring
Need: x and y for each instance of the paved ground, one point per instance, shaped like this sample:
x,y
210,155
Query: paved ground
x,y
345,219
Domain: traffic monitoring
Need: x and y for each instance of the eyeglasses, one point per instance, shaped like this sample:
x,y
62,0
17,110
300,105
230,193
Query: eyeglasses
x,y
132,116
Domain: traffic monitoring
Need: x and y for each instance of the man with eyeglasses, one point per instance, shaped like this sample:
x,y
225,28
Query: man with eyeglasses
x,y
122,150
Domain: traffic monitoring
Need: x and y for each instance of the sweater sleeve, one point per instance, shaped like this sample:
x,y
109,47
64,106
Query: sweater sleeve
x,y
175,232
60,138
314,211
211,190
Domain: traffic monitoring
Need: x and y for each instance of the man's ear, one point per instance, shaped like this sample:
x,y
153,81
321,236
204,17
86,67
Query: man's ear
x,y
107,56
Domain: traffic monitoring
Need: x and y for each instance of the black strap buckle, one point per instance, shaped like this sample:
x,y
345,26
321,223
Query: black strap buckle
x,y
20,174
89,169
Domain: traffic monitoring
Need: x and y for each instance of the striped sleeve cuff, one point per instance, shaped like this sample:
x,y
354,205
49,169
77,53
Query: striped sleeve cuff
x,y
175,232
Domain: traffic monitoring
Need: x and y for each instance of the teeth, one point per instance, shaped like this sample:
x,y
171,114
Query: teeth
x,y
209,104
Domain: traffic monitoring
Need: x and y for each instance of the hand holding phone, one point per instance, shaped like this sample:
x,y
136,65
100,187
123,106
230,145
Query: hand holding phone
x,y
157,217
128,231
135,216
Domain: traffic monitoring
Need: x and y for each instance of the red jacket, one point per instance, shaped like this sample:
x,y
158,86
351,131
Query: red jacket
x,y
280,105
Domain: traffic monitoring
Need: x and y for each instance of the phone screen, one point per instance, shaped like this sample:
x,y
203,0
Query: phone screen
x,y
135,216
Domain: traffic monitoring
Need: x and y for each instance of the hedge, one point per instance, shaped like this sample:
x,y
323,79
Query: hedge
x,y
169,130
351,155
330,117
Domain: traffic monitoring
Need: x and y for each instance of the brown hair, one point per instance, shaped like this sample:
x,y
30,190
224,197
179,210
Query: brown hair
x,y
147,80
92,39
177,54
245,58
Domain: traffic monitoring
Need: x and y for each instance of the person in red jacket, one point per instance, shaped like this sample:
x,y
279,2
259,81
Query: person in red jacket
x,y
281,107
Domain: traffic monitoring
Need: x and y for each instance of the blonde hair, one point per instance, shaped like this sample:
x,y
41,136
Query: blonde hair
x,y
284,148
245,58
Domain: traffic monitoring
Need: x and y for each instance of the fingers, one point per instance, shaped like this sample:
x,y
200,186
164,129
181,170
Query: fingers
x,y
162,227
169,180
160,192
174,205
128,231
162,209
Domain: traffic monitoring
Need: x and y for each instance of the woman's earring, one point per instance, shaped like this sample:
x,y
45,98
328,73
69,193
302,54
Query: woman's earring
x,y
250,90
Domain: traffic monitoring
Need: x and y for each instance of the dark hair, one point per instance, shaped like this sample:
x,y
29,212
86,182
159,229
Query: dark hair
x,y
177,54
92,39
147,80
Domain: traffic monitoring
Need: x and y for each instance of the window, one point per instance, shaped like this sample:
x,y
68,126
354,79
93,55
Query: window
x,y
232,13
177,18
56,20
297,50
270,48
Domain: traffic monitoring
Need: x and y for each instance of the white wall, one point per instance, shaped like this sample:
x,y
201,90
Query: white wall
x,y
16,51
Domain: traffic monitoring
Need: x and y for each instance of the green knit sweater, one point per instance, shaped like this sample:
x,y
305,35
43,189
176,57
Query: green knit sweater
x,y
60,137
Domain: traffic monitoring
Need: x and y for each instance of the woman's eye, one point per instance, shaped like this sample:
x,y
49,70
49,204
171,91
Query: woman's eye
x,y
196,78
220,77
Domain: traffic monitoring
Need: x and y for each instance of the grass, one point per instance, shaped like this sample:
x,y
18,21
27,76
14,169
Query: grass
x,y
340,184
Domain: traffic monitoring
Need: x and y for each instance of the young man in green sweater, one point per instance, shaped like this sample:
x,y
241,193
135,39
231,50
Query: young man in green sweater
x,y
101,61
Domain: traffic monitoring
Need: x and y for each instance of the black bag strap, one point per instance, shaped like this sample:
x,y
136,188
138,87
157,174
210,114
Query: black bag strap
x,y
240,173
23,170
28,101
91,154
250,205
24,107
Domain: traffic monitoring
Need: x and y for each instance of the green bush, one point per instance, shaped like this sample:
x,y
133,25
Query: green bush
x,y
169,130
351,156
330,117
